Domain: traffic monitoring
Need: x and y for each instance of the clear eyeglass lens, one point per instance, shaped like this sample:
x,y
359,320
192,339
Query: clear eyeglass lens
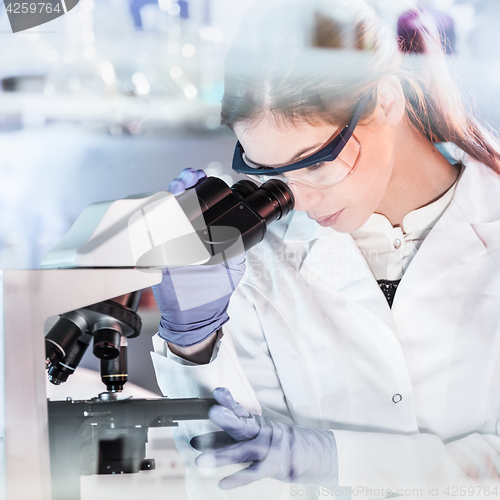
x,y
331,173
321,176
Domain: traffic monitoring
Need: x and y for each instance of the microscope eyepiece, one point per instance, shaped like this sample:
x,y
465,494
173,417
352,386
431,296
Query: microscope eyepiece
x,y
222,214
272,200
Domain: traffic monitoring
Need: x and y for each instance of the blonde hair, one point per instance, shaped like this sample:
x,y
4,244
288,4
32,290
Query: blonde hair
x,y
312,61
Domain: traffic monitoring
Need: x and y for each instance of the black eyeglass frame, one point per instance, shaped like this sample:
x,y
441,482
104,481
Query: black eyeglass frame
x,y
327,153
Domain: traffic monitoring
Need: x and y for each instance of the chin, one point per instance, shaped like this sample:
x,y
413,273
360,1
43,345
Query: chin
x,y
342,230
349,226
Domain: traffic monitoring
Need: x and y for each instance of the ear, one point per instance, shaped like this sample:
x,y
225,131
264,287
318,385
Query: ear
x,y
390,101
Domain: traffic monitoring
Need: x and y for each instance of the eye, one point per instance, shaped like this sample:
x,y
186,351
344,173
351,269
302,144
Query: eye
x,y
316,166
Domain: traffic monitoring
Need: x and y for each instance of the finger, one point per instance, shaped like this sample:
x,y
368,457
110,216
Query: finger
x,y
189,177
163,291
225,398
239,428
201,174
239,453
243,477
212,441
177,186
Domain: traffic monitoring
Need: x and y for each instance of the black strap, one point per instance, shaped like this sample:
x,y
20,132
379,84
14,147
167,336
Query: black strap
x,y
389,288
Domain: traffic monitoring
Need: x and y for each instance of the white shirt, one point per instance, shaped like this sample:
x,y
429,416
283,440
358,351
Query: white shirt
x,y
389,250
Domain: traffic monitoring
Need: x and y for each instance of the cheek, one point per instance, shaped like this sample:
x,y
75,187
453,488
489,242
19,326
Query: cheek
x,y
372,183
363,192
375,168
375,176
360,193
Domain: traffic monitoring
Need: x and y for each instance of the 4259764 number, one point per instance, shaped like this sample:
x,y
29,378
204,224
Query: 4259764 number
x,y
32,8
471,491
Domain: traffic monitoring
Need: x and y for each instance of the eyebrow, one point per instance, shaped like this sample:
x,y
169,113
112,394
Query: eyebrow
x,y
304,151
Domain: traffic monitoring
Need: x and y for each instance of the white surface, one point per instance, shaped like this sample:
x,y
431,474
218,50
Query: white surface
x,y
120,233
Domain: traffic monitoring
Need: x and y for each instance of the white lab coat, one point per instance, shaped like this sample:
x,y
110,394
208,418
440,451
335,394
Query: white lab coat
x,y
312,341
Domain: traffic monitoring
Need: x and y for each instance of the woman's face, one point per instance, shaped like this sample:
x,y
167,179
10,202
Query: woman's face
x,y
356,197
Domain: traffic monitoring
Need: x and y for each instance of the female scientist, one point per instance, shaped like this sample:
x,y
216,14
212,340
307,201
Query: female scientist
x,y
363,343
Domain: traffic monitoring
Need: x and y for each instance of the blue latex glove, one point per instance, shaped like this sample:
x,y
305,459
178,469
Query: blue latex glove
x,y
187,179
289,453
193,300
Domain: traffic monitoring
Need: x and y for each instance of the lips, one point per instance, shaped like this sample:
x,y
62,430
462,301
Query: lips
x,y
321,219
329,220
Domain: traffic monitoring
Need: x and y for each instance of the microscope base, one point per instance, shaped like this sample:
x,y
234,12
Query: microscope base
x,y
108,437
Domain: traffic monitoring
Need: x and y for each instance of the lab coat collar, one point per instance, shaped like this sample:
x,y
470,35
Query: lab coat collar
x,y
460,236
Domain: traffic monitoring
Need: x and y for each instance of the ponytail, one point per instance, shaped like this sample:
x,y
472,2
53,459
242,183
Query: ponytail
x,y
435,106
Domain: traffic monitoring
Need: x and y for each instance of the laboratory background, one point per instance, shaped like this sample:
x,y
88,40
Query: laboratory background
x,y
118,96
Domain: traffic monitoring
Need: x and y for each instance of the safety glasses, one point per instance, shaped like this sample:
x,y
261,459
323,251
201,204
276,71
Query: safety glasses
x,y
340,156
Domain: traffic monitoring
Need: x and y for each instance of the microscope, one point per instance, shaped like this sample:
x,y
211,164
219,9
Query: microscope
x,y
113,251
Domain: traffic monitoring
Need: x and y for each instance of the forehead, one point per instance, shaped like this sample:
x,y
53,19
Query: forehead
x,y
270,142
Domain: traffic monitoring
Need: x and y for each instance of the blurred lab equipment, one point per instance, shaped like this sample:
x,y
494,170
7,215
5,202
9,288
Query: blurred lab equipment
x,y
412,24
135,65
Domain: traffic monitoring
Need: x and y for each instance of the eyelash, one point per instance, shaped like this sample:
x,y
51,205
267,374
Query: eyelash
x,y
315,167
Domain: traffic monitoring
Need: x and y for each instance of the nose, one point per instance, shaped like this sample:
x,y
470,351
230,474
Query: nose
x,y
305,197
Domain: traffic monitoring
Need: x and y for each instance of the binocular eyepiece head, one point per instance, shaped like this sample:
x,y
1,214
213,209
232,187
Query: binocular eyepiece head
x,y
227,221
245,209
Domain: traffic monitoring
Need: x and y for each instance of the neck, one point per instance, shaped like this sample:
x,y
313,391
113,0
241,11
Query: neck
x,y
420,175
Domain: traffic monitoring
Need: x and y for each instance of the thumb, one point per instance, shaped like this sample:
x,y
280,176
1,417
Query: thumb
x,y
224,397
231,417
239,428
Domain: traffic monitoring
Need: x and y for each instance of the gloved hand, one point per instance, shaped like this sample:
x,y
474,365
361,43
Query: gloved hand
x,y
187,179
193,300
289,453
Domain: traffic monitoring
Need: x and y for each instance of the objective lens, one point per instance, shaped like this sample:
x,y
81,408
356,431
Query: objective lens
x,y
63,336
114,372
60,371
107,337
